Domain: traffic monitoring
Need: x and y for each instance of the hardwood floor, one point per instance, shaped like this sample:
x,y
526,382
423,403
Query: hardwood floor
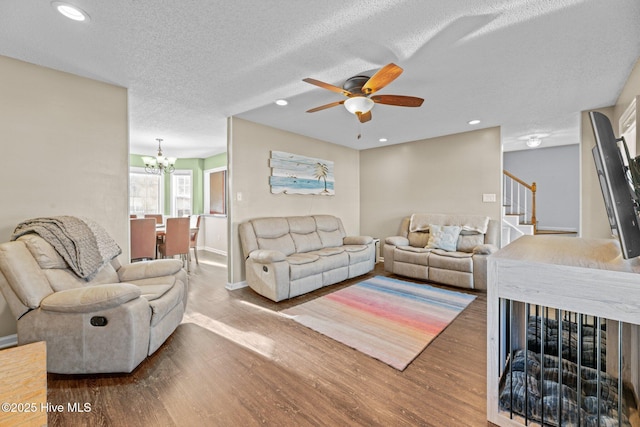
x,y
236,361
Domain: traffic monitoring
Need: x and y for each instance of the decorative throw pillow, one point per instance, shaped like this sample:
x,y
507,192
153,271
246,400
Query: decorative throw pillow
x,y
443,237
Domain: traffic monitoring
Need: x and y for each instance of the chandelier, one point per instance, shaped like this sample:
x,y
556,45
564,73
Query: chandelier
x,y
159,164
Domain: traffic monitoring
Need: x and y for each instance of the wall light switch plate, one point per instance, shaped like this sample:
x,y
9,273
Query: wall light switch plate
x,y
488,198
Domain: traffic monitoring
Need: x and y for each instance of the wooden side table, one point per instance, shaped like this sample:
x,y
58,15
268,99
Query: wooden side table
x,y
23,385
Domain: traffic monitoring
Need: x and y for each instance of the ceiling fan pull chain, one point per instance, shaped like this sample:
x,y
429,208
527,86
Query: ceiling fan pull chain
x,y
359,129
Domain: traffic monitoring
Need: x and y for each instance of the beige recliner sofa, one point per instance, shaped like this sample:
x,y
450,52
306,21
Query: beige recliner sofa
x,y
289,256
107,324
464,261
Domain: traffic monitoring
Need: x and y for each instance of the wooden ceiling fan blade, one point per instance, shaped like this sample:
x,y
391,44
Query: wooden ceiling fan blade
x,y
324,107
383,77
327,86
364,117
399,100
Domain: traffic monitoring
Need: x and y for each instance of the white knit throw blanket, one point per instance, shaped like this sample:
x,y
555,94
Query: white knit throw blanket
x,y
82,243
473,223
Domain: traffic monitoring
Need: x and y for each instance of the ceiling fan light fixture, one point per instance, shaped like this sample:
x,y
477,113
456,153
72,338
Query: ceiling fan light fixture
x,y
358,104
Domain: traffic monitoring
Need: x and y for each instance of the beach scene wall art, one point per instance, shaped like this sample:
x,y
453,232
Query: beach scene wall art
x,y
294,174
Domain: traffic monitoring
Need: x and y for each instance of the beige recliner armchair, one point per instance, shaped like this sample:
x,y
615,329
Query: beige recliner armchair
x,y
107,324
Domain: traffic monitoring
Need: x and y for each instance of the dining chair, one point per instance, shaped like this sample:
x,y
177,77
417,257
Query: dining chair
x,y
158,217
176,239
193,239
143,238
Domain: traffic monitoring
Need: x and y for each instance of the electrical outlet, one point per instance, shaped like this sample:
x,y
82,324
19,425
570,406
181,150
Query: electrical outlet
x,y
488,197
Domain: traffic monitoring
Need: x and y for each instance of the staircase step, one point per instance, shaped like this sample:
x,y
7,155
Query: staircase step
x,y
567,232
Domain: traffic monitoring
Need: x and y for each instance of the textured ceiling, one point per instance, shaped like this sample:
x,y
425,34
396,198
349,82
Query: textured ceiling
x,y
528,66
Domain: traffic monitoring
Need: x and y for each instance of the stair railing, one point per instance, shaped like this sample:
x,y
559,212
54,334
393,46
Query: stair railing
x,y
520,198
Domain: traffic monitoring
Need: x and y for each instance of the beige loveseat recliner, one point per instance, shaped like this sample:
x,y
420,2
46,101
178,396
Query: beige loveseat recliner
x,y
289,256
462,264
107,324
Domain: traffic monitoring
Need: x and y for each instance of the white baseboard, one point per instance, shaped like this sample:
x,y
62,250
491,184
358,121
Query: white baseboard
x,y
237,285
214,250
8,341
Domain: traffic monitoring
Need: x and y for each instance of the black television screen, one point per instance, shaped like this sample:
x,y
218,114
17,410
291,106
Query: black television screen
x,y
618,192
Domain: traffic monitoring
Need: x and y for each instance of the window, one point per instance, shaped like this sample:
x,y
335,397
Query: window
x,y
181,189
145,192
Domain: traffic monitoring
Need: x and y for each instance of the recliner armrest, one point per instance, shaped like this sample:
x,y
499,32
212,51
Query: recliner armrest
x,y
396,241
148,269
264,256
357,240
486,249
90,298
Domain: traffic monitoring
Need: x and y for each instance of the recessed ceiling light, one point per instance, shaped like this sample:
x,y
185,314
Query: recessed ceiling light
x,y
70,11
383,140
282,102
534,142
473,122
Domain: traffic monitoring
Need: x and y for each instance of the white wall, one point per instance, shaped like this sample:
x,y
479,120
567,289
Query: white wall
x,y
249,150
64,145
448,174
556,172
213,234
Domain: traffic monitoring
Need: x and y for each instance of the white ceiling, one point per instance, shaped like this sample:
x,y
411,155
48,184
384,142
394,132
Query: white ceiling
x,y
529,66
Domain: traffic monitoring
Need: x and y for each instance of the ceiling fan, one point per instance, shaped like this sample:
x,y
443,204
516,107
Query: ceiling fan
x,y
358,90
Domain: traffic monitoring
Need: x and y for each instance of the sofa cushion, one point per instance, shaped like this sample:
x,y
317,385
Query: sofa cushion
x,y
270,227
148,269
151,292
164,305
411,255
444,237
466,242
332,258
43,252
63,279
306,242
332,262
304,234
298,271
328,251
283,244
420,250
456,261
298,259
265,256
273,234
418,239
329,230
357,253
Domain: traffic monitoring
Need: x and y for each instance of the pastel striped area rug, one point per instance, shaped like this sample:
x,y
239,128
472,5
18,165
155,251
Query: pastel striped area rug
x,y
388,319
